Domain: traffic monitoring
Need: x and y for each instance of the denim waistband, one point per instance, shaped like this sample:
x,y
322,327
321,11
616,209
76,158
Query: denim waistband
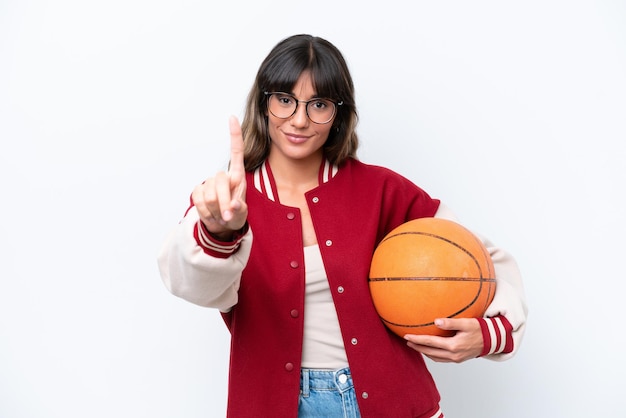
x,y
316,379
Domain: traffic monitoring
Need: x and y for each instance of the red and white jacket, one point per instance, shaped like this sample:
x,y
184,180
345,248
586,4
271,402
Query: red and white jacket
x,y
257,282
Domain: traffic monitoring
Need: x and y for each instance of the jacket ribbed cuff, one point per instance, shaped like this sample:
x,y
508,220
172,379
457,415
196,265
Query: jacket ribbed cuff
x,y
497,335
214,247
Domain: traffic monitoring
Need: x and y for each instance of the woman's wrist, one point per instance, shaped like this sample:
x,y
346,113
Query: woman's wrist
x,y
224,236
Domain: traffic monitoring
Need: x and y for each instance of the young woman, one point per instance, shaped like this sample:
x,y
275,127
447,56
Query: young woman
x,y
282,243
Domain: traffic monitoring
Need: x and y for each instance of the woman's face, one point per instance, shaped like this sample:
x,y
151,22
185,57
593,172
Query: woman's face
x,y
297,137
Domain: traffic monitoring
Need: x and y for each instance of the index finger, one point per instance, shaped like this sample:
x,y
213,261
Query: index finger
x,y
236,168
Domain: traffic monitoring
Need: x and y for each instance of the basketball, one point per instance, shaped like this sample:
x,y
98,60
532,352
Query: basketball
x,y
430,268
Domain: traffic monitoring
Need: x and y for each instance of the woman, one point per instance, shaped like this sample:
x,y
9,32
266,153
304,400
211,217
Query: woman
x,y
282,244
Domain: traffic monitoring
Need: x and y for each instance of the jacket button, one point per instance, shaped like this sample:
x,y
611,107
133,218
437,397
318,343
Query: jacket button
x,y
365,395
291,216
354,341
315,199
329,243
294,313
340,289
294,264
289,367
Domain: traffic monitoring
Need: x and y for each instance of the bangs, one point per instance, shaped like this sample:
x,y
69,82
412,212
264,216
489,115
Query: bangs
x,y
324,84
282,77
282,73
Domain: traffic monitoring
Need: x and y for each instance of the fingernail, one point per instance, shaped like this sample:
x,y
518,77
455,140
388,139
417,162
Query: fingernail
x,y
227,215
438,322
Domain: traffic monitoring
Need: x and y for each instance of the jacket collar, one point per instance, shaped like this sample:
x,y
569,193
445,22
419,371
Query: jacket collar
x,y
264,180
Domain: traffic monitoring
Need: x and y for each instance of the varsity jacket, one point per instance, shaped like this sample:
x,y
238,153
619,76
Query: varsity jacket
x,y
257,281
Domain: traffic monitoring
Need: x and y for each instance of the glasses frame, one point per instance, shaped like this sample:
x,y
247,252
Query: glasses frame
x,y
336,104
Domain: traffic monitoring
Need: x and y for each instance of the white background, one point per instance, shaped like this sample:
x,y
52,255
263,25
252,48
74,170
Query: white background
x,y
513,113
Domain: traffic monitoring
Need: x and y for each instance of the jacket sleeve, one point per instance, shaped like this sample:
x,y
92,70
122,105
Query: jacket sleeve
x,y
196,267
504,322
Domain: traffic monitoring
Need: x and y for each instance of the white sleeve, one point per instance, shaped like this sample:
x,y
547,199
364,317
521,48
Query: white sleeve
x,y
509,300
189,272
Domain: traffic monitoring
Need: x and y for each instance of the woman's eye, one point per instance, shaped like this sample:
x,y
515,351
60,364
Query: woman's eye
x,y
282,99
320,104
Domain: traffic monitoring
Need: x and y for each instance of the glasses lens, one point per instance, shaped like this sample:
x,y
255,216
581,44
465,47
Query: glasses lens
x,y
320,110
282,105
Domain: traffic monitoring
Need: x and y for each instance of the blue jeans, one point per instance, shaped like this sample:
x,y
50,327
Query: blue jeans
x,y
327,393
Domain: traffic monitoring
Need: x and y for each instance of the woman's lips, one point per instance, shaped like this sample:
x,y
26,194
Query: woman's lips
x,y
296,139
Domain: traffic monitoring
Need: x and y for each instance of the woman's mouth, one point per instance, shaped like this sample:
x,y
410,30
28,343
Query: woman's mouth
x,y
296,139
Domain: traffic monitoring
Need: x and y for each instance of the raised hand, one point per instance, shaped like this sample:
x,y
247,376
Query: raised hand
x,y
221,200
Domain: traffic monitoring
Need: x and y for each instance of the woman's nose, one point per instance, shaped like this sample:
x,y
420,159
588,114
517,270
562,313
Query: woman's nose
x,y
300,118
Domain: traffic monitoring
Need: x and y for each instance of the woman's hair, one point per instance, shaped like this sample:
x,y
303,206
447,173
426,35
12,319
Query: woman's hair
x,y
280,71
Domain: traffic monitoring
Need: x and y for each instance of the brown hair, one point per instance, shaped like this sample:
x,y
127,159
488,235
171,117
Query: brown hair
x,y
279,72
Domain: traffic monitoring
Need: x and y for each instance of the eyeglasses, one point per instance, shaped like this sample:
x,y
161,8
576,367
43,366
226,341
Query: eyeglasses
x,y
284,105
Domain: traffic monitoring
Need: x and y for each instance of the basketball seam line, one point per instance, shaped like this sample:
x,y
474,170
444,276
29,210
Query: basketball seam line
x,y
434,278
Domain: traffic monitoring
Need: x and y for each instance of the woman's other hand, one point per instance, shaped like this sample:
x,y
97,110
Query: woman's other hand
x,y
465,344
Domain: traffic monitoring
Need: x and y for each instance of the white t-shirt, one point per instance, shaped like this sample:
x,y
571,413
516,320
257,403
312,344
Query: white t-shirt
x,y
323,345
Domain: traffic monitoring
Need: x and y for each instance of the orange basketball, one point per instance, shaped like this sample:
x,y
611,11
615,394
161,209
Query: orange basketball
x,y
430,268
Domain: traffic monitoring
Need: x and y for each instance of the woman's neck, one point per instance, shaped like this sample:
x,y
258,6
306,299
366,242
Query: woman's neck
x,y
296,174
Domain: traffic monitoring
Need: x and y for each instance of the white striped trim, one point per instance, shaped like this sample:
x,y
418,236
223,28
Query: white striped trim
x,y
498,322
492,336
263,182
257,179
267,183
208,243
329,171
492,324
